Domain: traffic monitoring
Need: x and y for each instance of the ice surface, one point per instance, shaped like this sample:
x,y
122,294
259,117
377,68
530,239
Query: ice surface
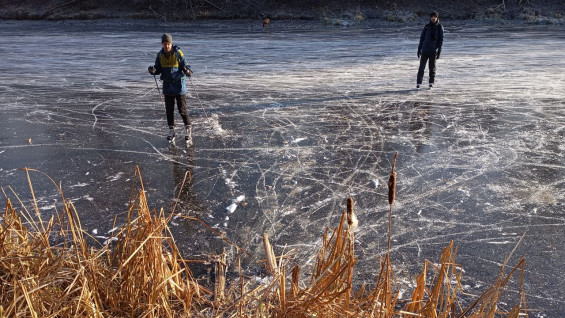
x,y
296,121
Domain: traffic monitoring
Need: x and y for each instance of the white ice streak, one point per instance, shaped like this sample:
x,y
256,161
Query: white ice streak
x,y
499,243
94,109
375,183
113,230
297,140
239,199
110,240
115,177
263,280
80,184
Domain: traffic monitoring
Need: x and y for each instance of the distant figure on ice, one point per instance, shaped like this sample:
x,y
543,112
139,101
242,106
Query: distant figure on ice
x,y
429,48
170,63
266,22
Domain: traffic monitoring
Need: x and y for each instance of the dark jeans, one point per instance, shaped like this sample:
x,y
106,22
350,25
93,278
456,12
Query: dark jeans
x,y
181,105
432,67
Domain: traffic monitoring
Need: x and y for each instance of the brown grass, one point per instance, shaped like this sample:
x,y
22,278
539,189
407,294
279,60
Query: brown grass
x,y
48,270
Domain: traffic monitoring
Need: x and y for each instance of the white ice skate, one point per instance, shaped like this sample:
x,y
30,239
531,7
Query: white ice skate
x,y
171,136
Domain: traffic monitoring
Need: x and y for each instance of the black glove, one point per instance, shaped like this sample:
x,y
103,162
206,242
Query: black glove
x,y
437,55
187,71
152,70
419,53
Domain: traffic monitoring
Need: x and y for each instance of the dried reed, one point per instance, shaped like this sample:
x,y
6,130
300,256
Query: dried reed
x,y
144,274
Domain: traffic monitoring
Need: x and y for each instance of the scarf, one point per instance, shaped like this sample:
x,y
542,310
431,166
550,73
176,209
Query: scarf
x,y
433,29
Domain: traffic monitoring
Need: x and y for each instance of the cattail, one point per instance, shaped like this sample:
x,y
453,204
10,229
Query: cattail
x,y
351,218
392,182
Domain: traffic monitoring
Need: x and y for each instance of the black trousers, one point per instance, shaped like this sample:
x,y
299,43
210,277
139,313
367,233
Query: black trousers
x,y
432,67
181,105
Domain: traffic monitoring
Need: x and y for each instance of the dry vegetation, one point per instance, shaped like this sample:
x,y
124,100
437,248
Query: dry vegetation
x,y
48,270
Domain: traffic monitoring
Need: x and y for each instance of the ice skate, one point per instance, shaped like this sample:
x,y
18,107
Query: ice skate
x,y
431,85
171,136
417,86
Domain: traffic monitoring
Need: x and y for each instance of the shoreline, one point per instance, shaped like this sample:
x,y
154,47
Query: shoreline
x,y
326,16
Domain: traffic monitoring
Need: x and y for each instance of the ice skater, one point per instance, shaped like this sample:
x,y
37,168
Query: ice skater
x,y
429,48
171,64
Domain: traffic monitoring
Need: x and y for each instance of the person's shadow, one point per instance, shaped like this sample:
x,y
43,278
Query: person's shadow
x,y
420,125
185,202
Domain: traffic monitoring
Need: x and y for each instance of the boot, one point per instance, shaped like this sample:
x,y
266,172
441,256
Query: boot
x,y
188,135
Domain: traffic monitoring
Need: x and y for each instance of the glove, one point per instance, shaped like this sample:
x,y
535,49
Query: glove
x,y
187,71
419,53
437,55
152,70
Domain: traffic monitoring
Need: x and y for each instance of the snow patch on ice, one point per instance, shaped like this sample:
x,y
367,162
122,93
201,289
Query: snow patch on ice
x,y
230,183
231,208
215,125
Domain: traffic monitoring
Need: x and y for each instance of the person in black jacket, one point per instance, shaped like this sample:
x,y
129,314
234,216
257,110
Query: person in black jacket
x,y
429,48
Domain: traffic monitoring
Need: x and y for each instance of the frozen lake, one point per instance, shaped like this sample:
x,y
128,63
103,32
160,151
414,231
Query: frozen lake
x,y
296,121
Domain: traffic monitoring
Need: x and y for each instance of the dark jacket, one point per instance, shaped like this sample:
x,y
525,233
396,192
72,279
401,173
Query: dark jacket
x,y
431,39
170,67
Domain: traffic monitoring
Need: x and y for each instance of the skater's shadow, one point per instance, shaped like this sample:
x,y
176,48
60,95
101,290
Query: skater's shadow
x,y
185,201
420,126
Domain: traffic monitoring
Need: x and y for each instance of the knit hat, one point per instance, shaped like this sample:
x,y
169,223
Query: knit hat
x,y
166,38
434,14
